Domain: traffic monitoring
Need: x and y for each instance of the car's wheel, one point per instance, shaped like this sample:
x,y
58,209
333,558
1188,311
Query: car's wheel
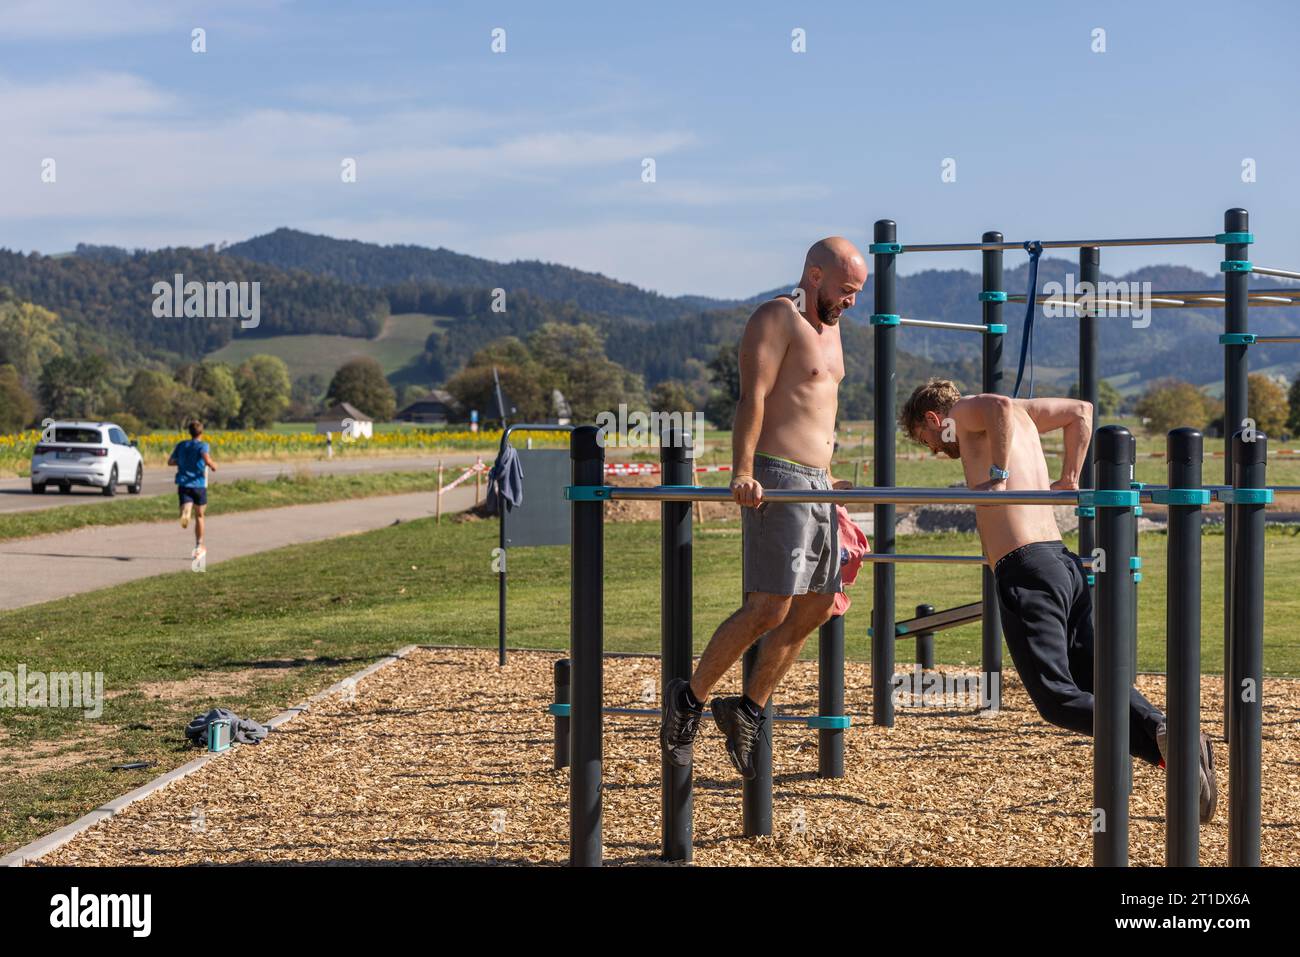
x,y
111,488
38,489
65,488
139,481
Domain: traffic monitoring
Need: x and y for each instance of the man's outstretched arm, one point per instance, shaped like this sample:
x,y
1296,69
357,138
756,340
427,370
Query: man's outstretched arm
x,y
1074,418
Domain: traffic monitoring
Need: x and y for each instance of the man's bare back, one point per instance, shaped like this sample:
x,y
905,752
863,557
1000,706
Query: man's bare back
x,y
1004,528
992,434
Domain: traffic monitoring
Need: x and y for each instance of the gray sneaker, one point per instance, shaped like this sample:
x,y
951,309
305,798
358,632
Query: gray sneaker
x,y
741,731
1209,789
680,724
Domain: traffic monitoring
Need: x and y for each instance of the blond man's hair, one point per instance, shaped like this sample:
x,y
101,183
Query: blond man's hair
x,y
937,396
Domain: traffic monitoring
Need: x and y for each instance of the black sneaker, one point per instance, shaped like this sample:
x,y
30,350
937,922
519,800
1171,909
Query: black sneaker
x,y
741,730
680,724
1209,786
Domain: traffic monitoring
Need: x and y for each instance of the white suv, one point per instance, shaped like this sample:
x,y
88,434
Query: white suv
x,y
97,454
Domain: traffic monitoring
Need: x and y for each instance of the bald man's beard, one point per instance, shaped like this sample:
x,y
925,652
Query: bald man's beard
x,y
825,309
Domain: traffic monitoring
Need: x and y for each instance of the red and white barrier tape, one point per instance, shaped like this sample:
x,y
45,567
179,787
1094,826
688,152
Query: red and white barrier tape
x,y
476,467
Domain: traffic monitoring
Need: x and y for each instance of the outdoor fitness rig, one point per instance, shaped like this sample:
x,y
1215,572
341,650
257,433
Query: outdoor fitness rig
x,y
1114,501
1236,297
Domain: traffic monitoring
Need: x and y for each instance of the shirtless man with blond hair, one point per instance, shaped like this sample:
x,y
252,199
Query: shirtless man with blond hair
x,y
791,365
1042,592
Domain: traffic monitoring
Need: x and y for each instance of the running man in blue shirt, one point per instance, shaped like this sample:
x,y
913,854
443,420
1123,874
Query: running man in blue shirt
x,y
191,460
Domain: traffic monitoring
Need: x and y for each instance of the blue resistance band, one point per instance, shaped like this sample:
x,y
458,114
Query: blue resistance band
x,y
1035,250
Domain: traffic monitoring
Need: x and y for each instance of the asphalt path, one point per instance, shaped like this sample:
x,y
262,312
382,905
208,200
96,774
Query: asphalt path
x,y
16,494
45,567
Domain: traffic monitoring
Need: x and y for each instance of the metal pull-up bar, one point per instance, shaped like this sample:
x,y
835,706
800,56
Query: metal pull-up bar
x,y
861,496
1282,273
1058,244
960,326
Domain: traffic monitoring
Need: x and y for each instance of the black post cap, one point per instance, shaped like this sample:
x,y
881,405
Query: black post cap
x,y
886,230
1186,445
1236,220
992,236
1252,451
1115,444
585,444
672,444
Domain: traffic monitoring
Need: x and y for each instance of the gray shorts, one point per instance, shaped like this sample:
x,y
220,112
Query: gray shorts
x,y
789,548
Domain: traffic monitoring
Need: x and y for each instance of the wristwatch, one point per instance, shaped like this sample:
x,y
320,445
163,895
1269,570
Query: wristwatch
x,y
998,474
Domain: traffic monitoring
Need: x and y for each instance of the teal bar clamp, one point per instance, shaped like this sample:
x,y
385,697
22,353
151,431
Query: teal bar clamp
x,y
885,248
830,722
1137,577
884,319
558,710
1246,496
587,493
1235,265
1085,511
1237,339
996,329
1239,239
1134,562
993,295
1092,579
1181,496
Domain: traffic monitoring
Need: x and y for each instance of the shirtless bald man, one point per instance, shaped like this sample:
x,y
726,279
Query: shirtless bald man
x,y
783,436
1044,597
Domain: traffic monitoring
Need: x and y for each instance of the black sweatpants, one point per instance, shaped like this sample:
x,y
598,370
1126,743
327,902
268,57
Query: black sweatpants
x,y
1047,620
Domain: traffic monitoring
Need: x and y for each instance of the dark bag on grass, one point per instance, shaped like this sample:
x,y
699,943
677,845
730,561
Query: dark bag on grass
x,y
242,730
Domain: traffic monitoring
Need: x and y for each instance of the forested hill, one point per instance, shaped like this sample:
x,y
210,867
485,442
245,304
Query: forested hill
x,y
105,297
370,264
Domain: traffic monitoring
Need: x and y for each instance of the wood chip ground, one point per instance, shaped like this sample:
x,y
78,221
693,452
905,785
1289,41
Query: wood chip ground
x,y
444,758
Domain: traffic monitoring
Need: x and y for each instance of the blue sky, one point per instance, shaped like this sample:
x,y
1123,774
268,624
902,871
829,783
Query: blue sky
x,y
536,153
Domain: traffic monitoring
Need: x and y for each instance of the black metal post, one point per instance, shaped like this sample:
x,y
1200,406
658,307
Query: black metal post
x,y
586,648
925,641
1137,577
501,588
1114,633
830,697
1089,389
676,657
756,794
1236,370
991,637
882,614
562,673
1184,451
1245,709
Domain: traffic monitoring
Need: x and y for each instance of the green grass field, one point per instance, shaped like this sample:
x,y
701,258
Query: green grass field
x,y
260,633
401,340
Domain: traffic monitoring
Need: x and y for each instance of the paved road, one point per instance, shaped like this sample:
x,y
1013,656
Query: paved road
x,y
39,569
16,494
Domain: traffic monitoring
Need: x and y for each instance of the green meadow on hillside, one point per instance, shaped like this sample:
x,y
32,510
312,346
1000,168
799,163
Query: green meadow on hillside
x,y
401,341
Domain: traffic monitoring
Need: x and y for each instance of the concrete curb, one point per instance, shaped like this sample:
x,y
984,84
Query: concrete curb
x,y
50,842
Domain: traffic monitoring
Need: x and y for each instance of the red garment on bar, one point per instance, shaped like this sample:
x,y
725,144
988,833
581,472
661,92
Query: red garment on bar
x,y
853,545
